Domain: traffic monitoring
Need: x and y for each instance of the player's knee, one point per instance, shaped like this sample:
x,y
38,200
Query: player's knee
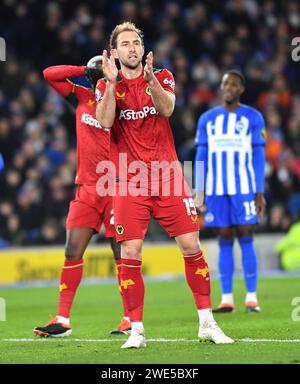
x,y
226,234
245,231
73,252
190,248
131,252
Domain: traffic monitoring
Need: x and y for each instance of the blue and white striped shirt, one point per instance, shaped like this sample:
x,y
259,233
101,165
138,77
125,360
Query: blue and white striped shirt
x,y
230,137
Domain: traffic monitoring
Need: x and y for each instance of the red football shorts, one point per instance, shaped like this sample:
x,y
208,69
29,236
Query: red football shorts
x,y
176,214
89,210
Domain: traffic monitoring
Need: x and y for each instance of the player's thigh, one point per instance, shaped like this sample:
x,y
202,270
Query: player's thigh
x,y
242,210
176,214
131,216
77,241
83,215
108,216
217,213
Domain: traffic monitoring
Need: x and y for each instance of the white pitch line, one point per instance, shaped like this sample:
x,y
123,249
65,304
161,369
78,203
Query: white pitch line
x,y
246,340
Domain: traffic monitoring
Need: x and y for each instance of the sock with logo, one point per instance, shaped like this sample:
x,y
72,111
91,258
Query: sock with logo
x,y
132,286
125,310
197,276
226,265
69,281
249,260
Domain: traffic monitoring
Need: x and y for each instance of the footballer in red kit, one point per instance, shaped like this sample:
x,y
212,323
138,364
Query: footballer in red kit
x,y
88,210
146,135
135,103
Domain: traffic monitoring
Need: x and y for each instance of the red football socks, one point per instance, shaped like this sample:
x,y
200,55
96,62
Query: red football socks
x,y
197,276
69,281
119,265
132,286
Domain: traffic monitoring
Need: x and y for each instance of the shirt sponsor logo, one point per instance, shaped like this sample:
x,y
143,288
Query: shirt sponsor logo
x,y
89,120
129,114
169,82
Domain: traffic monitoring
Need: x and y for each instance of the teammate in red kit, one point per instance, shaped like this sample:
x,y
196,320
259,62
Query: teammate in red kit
x,y
88,210
135,103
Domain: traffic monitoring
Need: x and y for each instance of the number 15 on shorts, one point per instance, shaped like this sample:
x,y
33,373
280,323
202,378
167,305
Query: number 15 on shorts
x,y
190,206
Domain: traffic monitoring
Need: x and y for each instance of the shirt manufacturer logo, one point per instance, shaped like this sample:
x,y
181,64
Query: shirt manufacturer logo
x,y
120,95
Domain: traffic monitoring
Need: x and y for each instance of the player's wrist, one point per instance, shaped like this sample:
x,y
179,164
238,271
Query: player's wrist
x,y
259,194
151,81
111,85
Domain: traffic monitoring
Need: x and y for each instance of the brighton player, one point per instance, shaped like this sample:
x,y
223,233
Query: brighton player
x,y
1,162
230,141
135,103
88,210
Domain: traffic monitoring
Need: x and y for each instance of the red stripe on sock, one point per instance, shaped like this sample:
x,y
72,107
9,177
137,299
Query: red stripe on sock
x,y
197,276
132,286
69,281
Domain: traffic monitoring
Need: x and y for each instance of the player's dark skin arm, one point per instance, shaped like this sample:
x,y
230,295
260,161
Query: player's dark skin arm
x,y
260,204
164,101
106,110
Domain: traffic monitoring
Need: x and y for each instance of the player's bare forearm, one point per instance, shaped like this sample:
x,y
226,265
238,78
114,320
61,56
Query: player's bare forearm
x,y
164,101
260,204
106,110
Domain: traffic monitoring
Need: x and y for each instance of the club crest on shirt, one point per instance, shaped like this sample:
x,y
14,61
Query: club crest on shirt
x,y
120,95
148,91
120,229
240,126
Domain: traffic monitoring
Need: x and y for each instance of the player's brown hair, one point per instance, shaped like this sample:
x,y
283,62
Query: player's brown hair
x,y
126,26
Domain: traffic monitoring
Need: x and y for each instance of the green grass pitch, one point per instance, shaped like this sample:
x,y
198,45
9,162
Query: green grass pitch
x,y
169,314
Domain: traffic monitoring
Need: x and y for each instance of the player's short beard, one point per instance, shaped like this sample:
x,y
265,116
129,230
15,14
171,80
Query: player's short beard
x,y
127,65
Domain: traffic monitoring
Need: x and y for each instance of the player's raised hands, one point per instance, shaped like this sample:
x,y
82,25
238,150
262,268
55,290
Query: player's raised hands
x,y
109,67
148,69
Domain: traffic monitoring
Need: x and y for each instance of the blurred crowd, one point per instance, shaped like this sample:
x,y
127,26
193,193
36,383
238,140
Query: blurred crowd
x,y
196,40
